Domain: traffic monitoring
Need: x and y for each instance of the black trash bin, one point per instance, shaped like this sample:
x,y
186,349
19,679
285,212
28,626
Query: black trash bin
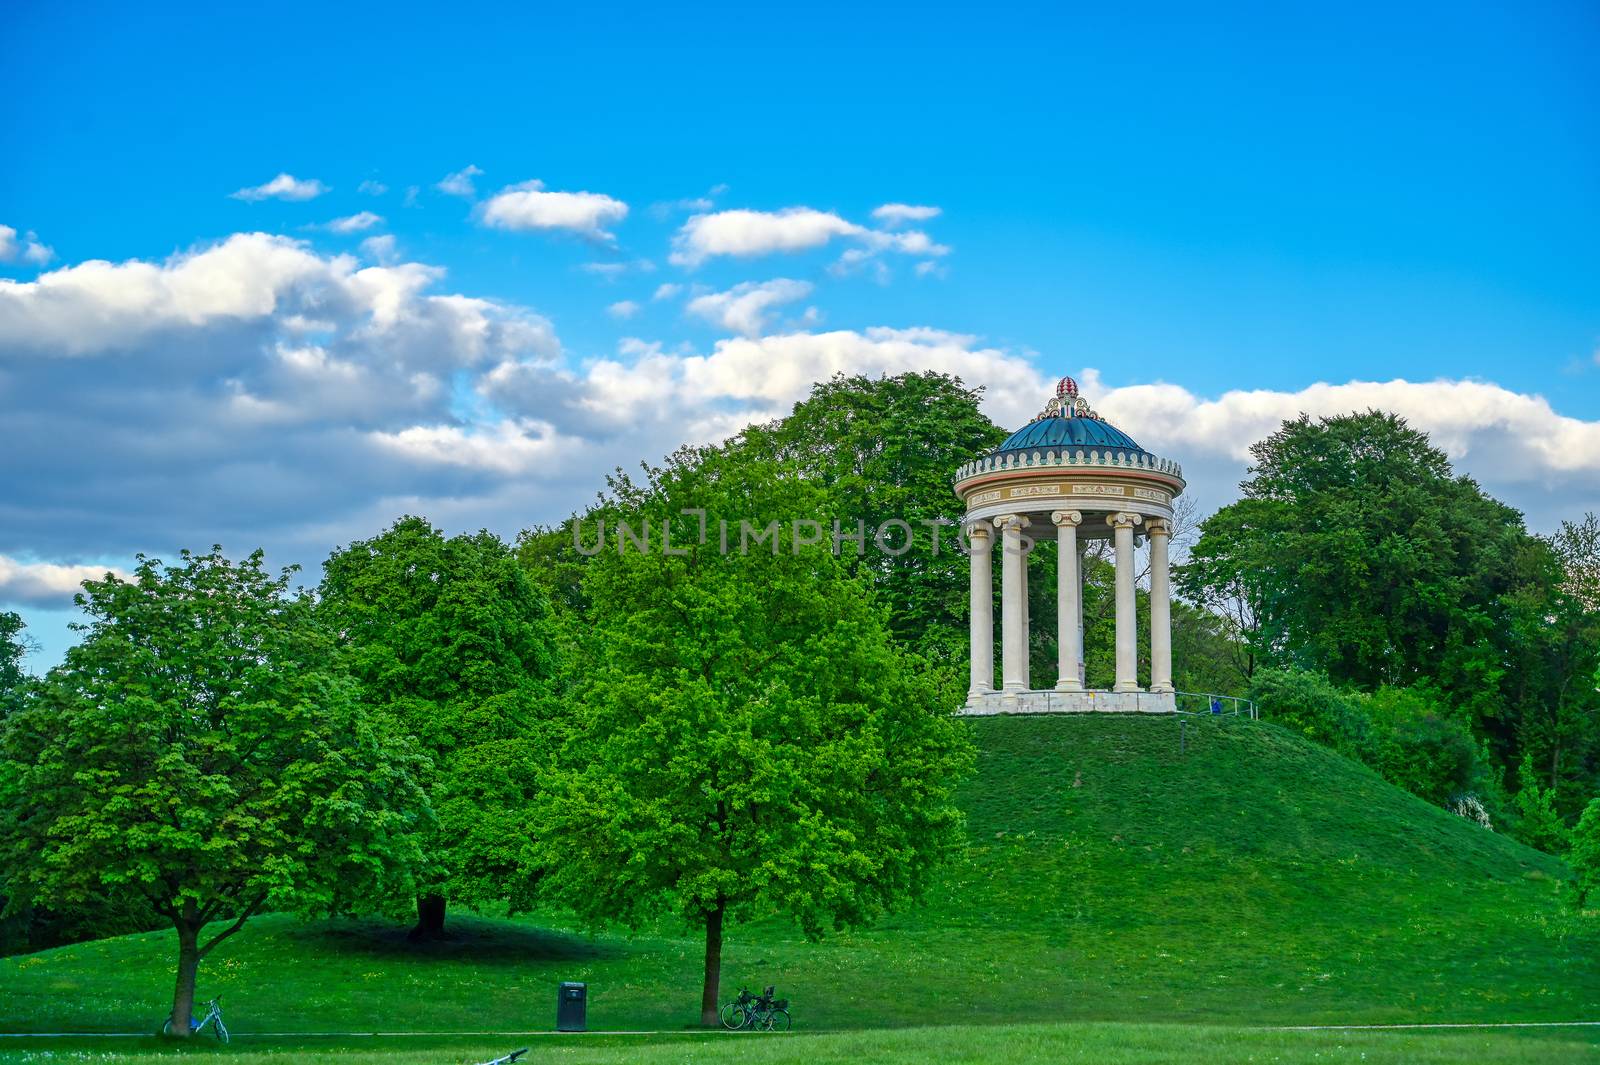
x,y
572,1007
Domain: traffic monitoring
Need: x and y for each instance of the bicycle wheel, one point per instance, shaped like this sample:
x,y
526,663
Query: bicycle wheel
x,y
166,1026
733,1017
778,1021
222,1030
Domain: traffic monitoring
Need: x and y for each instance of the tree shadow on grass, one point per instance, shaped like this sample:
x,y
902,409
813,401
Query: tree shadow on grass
x,y
468,939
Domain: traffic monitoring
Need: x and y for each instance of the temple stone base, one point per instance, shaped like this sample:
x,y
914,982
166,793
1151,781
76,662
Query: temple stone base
x,y
1056,702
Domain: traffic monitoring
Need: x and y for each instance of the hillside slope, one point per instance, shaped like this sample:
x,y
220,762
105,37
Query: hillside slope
x,y
1251,878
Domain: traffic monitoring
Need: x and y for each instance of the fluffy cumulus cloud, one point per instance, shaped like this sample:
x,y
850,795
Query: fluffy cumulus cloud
x,y
457,184
529,206
623,309
1516,445
355,223
47,584
257,391
898,214
252,391
746,234
747,308
26,249
282,187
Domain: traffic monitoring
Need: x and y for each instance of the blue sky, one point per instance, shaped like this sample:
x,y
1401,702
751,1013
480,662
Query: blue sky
x,y
1217,218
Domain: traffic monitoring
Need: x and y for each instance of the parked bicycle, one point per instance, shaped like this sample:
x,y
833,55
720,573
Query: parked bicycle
x,y
508,1058
761,1013
213,1017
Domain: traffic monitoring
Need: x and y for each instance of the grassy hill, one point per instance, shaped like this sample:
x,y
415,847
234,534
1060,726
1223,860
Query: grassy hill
x,y
1253,878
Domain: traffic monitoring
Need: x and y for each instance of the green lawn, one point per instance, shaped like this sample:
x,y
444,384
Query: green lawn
x,y
1254,879
1101,1044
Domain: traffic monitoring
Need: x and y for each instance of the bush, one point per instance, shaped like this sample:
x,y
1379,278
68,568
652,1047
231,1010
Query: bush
x,y
1310,704
1584,857
1406,734
1538,823
1414,744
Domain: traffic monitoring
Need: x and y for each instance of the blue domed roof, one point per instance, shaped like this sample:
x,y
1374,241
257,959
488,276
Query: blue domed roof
x,y
1053,432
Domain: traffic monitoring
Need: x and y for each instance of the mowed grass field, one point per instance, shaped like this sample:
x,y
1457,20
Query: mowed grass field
x,y
1249,879
1097,1044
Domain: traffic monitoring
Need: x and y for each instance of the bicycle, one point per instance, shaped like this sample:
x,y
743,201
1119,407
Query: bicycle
x,y
213,1017
508,1058
757,1012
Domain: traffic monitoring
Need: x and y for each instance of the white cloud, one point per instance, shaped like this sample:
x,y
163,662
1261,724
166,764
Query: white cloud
x,y
372,188
744,233
36,253
251,281
667,290
512,448
746,308
355,223
46,584
29,249
282,187
1502,438
380,249
895,214
623,309
612,271
457,184
529,206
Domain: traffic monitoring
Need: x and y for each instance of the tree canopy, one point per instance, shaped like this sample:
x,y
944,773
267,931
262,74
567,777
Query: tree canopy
x,y
196,751
1357,553
447,636
751,739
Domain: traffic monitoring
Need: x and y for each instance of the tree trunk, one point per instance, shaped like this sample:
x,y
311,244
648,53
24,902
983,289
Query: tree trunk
x,y
188,926
430,918
709,994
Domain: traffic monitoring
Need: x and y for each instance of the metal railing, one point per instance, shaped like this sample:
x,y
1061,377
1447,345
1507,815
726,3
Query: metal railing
x,y
1206,704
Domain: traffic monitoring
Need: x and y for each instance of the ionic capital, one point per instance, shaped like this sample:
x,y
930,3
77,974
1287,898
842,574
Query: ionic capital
x,y
1008,523
1123,519
1066,517
1158,527
979,530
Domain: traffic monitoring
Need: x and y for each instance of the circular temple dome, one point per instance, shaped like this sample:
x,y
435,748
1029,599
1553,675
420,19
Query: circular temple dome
x,y
1045,433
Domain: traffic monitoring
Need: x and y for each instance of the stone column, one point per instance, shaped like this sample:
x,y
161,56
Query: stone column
x,y
1159,532
1069,602
1127,624
980,537
1027,624
1013,657
1083,669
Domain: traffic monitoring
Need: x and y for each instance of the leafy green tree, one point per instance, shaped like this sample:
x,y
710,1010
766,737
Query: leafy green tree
x,y
887,449
1310,704
1539,824
448,636
13,648
1362,555
1584,857
1415,743
752,739
195,752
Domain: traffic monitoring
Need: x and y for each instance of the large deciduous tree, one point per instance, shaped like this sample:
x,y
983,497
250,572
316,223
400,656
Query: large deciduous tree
x,y
887,448
195,751
447,636
753,740
13,648
1357,552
